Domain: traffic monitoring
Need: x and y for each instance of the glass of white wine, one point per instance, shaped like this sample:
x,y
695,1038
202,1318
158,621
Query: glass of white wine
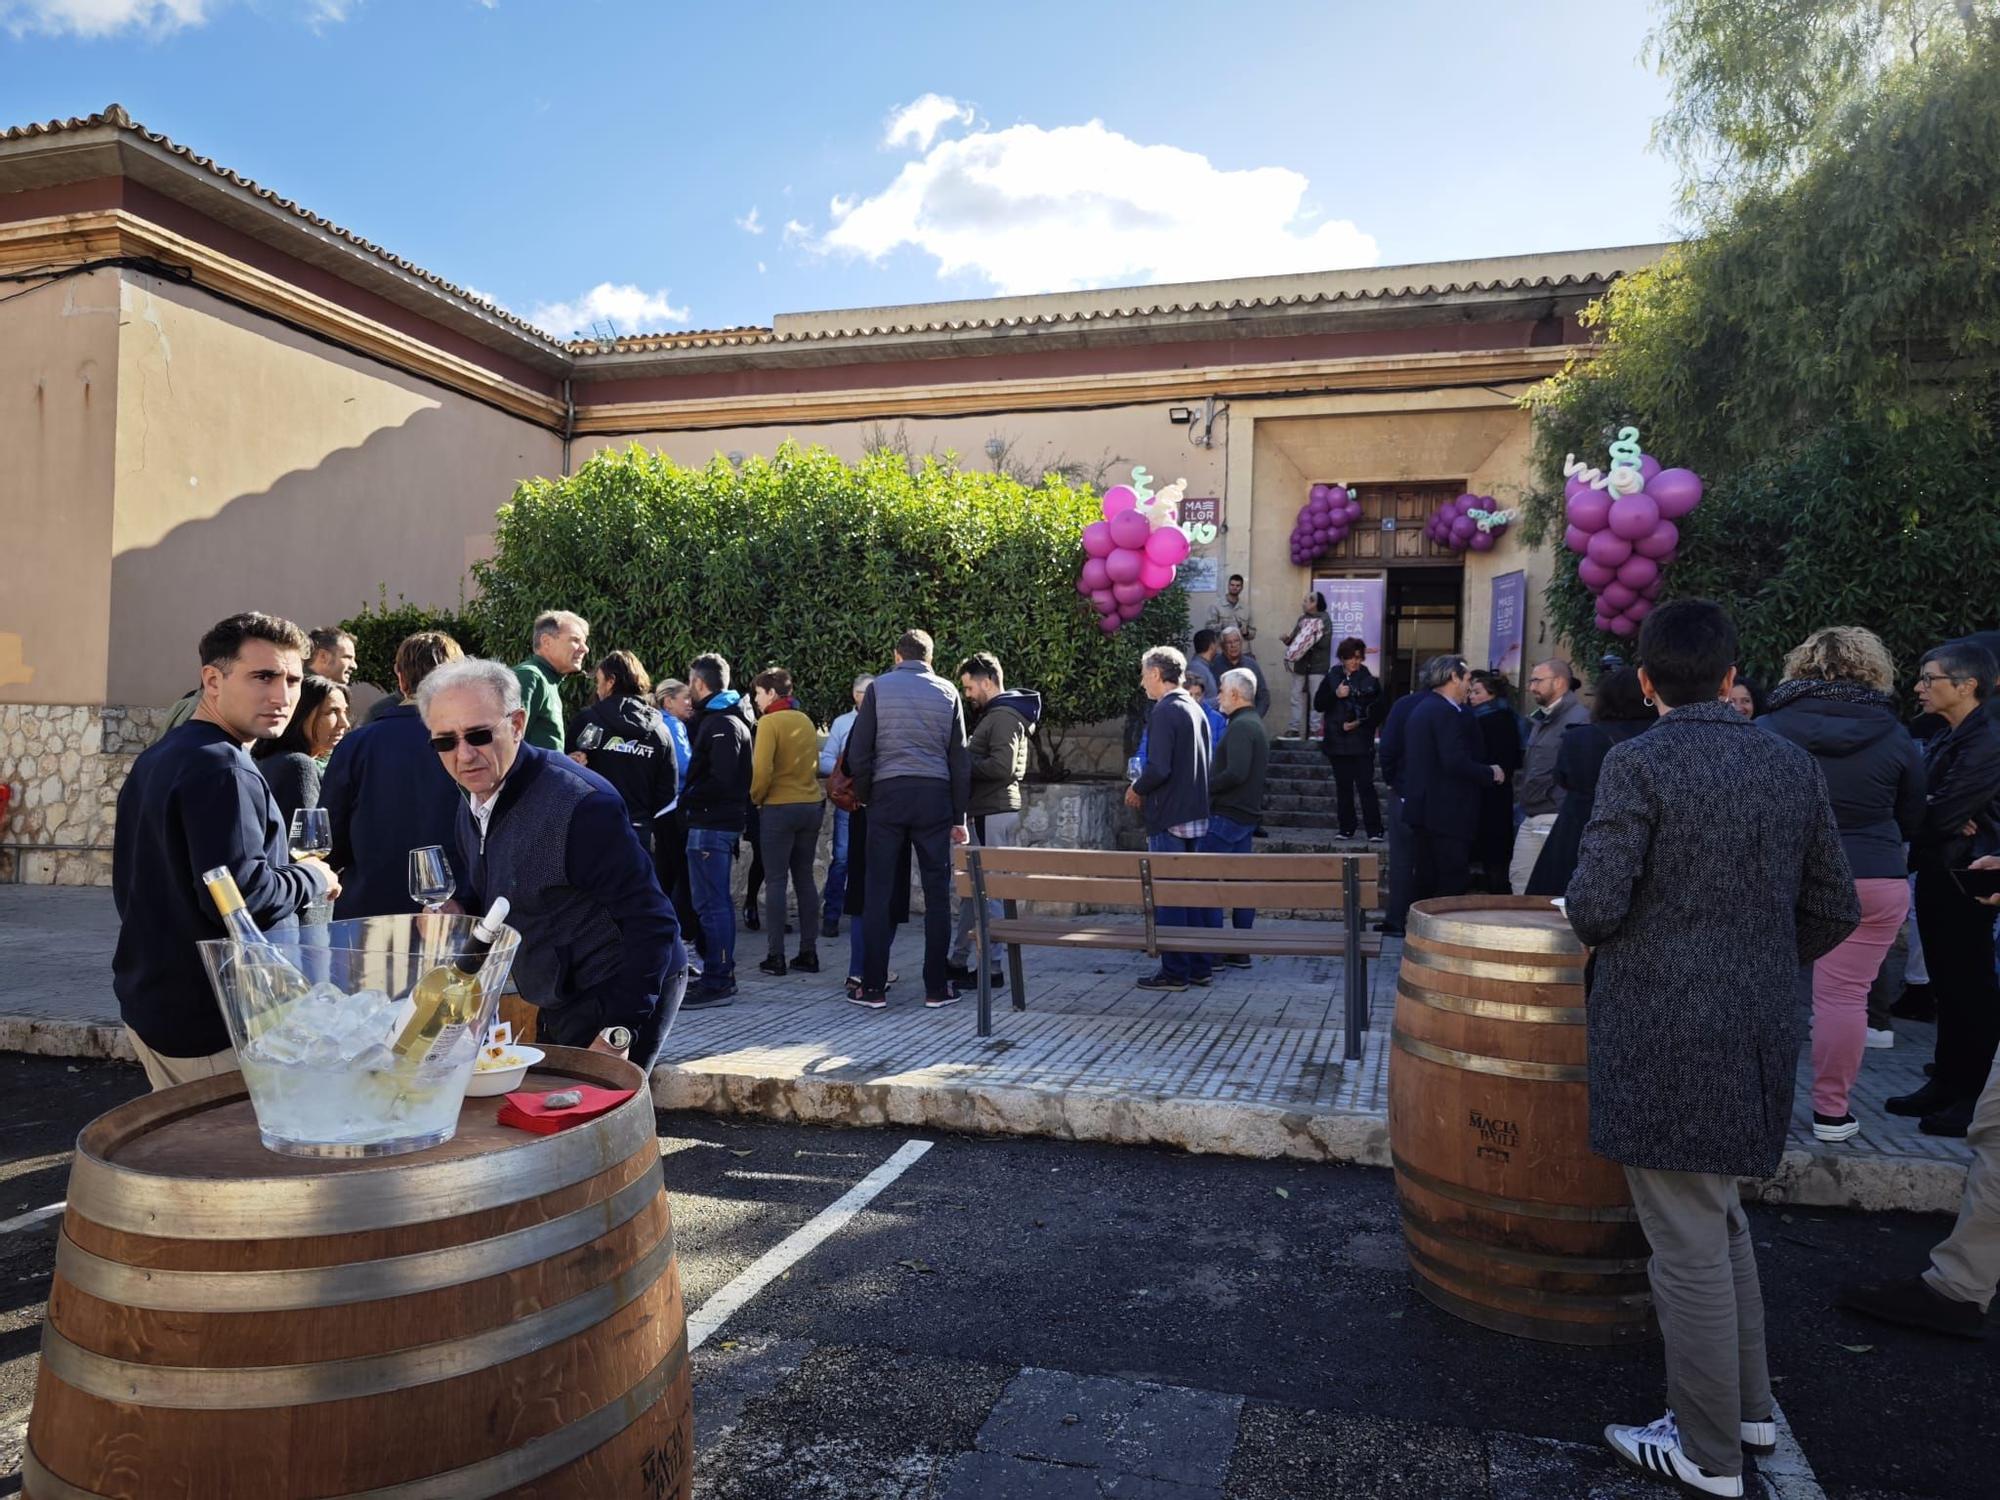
x,y
312,838
431,880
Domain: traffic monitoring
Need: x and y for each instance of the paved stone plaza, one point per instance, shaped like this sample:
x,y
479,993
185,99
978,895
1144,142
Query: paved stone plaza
x,y
1251,1067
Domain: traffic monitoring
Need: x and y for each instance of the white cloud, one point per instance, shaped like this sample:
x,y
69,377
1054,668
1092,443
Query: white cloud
x,y
760,268
626,307
473,291
1030,209
749,223
321,14
100,17
796,232
919,121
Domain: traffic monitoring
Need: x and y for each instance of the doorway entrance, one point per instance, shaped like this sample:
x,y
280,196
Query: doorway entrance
x,y
1419,621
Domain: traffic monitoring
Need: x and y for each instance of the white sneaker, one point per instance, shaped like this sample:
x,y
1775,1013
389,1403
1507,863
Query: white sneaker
x,y
1761,1437
1655,1449
1883,1038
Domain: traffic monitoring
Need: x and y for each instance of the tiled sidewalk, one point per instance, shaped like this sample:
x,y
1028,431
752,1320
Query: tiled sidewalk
x,y
1252,1066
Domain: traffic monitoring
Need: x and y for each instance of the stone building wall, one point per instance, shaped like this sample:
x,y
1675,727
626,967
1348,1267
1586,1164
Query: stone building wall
x,y
64,765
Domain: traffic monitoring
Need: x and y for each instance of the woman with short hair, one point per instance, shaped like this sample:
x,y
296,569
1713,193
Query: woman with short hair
x,y
784,788
1834,704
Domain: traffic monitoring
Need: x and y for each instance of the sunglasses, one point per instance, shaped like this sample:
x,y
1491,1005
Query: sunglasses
x,y
479,739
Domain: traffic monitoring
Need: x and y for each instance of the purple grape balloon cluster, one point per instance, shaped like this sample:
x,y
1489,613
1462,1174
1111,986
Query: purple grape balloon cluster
x,y
1128,558
1454,525
1323,521
1624,535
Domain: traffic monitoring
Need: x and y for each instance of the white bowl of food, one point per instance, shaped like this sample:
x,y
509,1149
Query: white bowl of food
x,y
501,1069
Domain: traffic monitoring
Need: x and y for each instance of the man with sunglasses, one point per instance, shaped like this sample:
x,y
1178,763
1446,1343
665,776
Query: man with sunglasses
x,y
600,946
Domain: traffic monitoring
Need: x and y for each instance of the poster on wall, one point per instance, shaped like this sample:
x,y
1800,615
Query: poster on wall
x,y
1506,635
1354,607
1200,574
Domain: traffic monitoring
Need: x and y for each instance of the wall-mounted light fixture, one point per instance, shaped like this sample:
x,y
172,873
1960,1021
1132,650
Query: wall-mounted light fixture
x,y
1180,416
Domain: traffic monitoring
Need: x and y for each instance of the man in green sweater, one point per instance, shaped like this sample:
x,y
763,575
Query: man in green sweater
x,y
1236,786
561,643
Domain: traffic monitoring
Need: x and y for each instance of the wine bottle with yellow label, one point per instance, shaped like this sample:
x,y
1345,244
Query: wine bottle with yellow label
x,y
276,979
445,1002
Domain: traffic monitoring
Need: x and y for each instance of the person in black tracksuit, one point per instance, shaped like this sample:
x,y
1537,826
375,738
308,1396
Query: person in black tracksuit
x,y
623,739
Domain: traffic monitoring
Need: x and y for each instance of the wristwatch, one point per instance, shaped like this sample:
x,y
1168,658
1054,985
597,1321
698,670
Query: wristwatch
x,y
617,1038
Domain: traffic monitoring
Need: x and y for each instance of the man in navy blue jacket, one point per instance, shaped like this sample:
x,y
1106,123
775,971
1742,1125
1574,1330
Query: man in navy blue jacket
x,y
1402,841
600,946
1442,776
194,801
386,792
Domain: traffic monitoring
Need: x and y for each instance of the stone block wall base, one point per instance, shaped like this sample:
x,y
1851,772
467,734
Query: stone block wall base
x,y
64,764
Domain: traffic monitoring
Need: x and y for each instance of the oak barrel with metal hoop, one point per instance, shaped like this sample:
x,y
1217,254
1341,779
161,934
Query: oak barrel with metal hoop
x,y
1511,1222
500,1315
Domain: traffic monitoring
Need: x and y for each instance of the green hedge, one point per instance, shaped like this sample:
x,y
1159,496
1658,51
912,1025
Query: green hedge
x,y
380,628
807,562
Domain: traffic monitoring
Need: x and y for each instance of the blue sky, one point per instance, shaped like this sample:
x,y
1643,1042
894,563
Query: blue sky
x,y
578,159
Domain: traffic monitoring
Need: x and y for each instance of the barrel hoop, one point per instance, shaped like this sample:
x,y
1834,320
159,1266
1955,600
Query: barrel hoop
x,y
358,1281
1580,1213
260,1387
1548,1330
1492,1010
1633,1306
386,1197
497,1475
1523,1260
1486,968
1445,926
1499,1067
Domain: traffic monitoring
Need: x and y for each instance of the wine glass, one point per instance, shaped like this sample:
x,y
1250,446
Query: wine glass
x,y
431,880
312,838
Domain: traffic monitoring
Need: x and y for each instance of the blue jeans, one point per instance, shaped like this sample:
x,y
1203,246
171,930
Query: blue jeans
x,y
1183,965
711,853
835,895
1227,836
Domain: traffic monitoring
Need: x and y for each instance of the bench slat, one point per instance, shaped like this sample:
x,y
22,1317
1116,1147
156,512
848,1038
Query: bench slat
x,y
1125,863
1282,895
1273,942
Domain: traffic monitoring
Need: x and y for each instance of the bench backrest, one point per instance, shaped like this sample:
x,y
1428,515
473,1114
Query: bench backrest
x,y
1100,877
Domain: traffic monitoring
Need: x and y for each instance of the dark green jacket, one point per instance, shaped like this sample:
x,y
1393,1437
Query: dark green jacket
x,y
538,697
1242,761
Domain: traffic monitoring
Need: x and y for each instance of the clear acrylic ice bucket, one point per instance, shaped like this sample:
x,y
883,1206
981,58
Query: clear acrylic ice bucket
x,y
322,1077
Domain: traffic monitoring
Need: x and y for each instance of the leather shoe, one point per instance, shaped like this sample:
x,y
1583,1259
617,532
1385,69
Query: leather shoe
x,y
1927,1100
1953,1120
1912,1303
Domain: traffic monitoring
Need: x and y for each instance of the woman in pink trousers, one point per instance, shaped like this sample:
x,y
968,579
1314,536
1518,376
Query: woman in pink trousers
x,y
1835,703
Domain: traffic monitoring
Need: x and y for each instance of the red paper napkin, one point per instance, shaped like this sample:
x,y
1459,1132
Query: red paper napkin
x,y
528,1112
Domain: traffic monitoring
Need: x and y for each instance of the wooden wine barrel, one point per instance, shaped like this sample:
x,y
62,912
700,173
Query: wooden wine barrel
x,y
500,1315
1510,1220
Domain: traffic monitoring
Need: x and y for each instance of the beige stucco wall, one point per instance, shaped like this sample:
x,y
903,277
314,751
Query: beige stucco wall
x,y
258,468
58,415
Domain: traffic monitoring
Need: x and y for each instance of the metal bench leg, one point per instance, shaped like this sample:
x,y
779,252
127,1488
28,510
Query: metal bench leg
x,y
1014,975
985,937
1351,966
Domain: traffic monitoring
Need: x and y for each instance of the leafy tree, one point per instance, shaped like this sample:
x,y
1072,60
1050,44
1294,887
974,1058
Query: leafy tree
x,y
809,563
380,628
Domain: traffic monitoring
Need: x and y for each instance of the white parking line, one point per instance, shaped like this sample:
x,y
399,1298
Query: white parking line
x,y
773,1263
31,1218
1791,1476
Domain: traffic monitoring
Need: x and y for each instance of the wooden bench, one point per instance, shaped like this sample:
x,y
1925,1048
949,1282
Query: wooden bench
x,y
1342,884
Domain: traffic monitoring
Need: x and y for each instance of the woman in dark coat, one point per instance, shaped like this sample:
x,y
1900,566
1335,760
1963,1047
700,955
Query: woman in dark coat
x,y
1500,740
1618,711
1349,702
1834,704
1699,922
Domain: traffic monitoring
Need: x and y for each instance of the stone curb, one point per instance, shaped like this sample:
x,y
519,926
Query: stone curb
x,y
1806,1179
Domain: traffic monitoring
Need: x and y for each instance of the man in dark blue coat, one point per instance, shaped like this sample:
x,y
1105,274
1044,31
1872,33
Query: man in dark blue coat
x,y
195,801
600,947
1443,774
386,792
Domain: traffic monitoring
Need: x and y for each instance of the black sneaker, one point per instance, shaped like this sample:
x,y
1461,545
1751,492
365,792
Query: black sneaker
x,y
1374,838
1235,961
706,994
1927,1100
1913,1303
1953,1120
752,920
775,967
806,963
1201,981
868,999
950,996
1835,1127
1161,981
959,973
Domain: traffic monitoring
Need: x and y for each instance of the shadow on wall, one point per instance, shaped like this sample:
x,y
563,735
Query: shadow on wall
x,y
313,547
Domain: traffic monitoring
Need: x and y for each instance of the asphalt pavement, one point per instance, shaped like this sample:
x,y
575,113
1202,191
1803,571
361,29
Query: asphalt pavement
x,y
1018,1318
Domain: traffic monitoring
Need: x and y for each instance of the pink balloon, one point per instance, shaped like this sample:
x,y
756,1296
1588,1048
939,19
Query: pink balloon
x,y
1167,544
1097,539
1131,611
1659,542
1128,593
1636,572
1638,609
1122,566
1082,587
1634,516
1155,575
1119,499
1595,576
1648,467
1095,575
1606,547
1482,541
1678,491
1652,590
1577,488
1575,539
1130,529
1617,597
1109,624
1103,601
1589,512
1622,625
1604,622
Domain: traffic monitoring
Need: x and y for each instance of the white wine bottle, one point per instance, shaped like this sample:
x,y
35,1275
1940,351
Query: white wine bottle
x,y
276,977
445,1002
